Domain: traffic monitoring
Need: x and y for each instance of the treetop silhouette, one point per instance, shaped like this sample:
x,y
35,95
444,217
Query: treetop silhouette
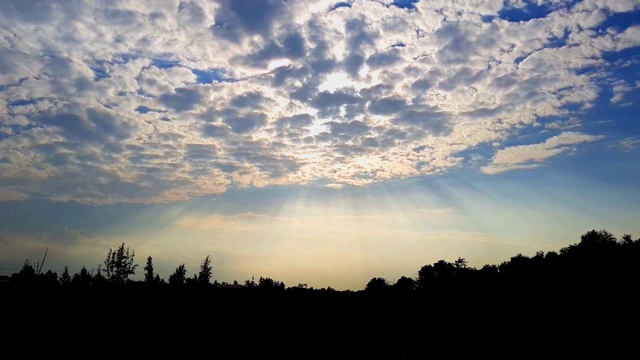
x,y
119,265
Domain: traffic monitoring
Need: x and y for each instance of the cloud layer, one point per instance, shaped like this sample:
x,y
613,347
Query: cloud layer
x,y
126,101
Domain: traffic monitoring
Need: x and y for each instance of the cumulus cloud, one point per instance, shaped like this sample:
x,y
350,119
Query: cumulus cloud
x,y
168,100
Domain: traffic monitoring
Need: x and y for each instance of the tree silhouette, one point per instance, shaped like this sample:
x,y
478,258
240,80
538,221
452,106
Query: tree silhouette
x,y
27,274
179,276
626,240
49,279
250,283
404,285
269,283
436,274
65,278
119,265
460,265
148,271
192,280
98,278
204,276
595,238
377,285
83,278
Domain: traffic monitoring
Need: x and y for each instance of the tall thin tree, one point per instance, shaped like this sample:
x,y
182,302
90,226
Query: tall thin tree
x,y
148,271
204,276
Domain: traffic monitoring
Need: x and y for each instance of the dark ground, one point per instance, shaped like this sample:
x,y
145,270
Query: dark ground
x,y
132,324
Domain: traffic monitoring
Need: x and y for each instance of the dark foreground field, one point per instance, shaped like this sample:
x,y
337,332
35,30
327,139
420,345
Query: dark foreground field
x,y
319,324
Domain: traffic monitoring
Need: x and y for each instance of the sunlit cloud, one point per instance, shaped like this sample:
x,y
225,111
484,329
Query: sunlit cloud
x,y
119,95
531,156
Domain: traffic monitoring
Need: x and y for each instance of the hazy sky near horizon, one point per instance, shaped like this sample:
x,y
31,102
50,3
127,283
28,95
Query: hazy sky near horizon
x,y
319,142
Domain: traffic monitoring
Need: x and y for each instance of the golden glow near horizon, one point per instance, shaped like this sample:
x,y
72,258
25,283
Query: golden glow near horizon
x,y
340,239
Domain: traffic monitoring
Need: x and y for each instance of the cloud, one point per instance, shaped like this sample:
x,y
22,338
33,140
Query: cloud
x,y
387,105
246,122
247,17
619,89
235,222
8,195
385,59
169,100
292,46
215,130
629,144
532,156
568,124
183,99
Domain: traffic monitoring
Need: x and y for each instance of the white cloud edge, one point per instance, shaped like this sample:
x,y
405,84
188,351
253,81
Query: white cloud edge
x,y
534,155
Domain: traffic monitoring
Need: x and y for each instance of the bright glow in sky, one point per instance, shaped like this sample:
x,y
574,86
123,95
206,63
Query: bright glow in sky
x,y
322,142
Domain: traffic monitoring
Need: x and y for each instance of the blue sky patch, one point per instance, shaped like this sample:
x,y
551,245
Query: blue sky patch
x,y
99,73
620,21
341,4
211,75
22,102
405,4
165,63
531,11
622,55
124,58
488,18
144,109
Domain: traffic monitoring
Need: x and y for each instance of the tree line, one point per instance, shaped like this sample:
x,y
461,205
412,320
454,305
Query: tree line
x,y
598,257
598,260
119,265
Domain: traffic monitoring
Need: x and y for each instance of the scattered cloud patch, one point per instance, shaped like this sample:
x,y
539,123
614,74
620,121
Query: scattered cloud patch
x,y
568,124
8,195
629,144
294,92
620,88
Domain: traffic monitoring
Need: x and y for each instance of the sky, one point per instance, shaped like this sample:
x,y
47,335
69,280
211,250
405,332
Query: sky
x,y
317,142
